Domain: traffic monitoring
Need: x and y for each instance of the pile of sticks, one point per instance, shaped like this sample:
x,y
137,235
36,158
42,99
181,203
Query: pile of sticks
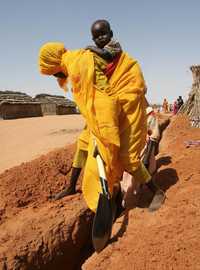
x,y
192,106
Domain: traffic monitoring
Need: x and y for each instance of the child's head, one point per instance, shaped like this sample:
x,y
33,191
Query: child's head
x,y
101,33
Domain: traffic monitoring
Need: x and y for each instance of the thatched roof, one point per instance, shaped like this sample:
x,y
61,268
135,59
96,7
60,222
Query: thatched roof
x,y
58,100
15,97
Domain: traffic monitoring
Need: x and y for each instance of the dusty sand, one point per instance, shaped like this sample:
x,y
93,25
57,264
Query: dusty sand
x,y
26,139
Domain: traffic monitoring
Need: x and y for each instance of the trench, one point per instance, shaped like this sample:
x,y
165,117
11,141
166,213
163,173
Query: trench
x,y
87,249
162,126
71,254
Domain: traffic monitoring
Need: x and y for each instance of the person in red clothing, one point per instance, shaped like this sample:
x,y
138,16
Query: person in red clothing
x,y
175,107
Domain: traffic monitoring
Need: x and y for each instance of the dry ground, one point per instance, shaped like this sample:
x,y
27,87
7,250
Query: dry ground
x,y
36,233
25,139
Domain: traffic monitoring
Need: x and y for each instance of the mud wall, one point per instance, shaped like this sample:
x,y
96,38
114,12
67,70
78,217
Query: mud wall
x,y
22,110
48,108
19,110
65,110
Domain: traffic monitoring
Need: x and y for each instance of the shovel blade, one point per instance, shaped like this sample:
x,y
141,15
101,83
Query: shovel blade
x,y
102,224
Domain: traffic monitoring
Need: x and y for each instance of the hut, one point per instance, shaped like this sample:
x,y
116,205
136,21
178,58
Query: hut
x,y
53,104
18,105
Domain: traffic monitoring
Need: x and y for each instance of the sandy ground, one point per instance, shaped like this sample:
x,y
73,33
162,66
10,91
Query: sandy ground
x,y
25,139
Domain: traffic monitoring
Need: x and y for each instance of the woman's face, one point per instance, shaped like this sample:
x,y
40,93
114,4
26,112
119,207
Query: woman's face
x,y
60,75
61,79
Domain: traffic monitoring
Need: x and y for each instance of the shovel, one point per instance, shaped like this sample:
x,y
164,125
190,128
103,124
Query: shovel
x,y
147,155
103,219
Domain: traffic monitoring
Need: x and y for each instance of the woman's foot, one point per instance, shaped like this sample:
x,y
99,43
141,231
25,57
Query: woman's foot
x,y
72,185
66,192
158,196
158,199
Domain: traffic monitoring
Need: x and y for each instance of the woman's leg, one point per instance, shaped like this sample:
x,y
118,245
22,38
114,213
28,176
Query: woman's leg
x,y
78,163
71,189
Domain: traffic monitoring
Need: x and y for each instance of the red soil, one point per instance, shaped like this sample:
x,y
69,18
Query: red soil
x,y
33,182
36,233
170,237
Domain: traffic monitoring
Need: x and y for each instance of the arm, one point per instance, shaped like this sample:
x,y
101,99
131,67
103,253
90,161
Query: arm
x,y
105,54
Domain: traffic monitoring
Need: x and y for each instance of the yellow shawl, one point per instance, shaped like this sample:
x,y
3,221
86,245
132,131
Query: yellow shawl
x,y
116,117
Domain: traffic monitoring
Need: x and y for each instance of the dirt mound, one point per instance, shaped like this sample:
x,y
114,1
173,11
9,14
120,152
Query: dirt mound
x,y
170,237
32,183
36,233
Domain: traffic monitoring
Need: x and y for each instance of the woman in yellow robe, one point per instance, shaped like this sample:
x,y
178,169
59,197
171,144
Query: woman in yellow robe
x,y
115,117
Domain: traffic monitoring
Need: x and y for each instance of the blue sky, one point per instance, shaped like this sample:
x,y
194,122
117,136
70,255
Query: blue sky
x,y
164,36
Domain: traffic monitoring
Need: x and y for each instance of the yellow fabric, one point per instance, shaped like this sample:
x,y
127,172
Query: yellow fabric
x,y
116,117
141,174
133,140
91,185
50,57
83,139
100,79
81,153
80,158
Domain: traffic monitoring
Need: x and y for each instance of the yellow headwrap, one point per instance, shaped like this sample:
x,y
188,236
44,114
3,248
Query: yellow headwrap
x,y
50,57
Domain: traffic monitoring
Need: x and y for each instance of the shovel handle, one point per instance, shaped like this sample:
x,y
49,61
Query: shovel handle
x,y
100,165
102,175
101,169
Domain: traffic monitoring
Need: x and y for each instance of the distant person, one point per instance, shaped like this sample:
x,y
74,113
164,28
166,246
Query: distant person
x,y
180,102
165,105
171,107
175,107
158,109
